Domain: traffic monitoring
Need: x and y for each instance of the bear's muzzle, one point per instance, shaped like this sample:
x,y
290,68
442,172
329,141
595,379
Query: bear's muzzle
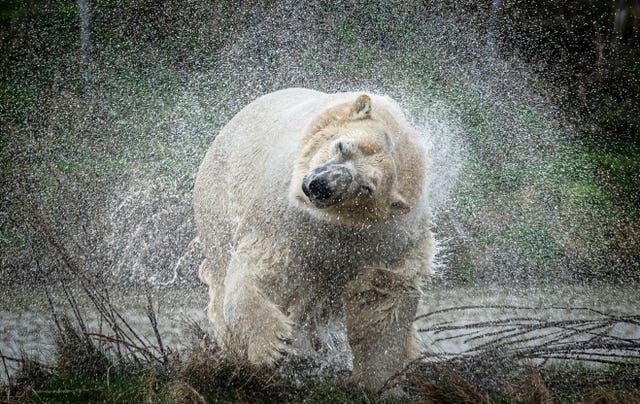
x,y
328,185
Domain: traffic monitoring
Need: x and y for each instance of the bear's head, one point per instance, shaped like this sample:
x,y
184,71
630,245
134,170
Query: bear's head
x,y
358,165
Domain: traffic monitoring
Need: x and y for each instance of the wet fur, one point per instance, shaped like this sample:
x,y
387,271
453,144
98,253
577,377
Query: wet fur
x,y
279,269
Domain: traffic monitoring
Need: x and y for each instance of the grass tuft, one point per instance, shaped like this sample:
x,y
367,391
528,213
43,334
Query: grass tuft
x,y
448,387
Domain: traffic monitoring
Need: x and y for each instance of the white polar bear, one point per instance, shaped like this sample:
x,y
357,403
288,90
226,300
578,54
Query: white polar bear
x,y
310,208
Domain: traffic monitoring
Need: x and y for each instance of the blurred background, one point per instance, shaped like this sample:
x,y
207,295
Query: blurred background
x,y
530,109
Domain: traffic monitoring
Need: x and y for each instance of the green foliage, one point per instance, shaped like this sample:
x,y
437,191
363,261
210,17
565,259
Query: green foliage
x,y
533,200
163,89
18,100
10,238
535,242
84,390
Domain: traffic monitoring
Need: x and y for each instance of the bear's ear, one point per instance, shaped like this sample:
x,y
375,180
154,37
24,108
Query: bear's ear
x,y
361,108
399,205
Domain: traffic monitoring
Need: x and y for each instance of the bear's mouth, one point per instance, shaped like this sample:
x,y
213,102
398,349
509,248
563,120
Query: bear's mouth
x,y
328,185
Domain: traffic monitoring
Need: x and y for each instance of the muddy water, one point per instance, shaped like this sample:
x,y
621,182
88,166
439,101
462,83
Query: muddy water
x,y
26,323
537,310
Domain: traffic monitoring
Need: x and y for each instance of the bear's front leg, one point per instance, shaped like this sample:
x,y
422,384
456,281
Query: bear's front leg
x,y
380,306
256,328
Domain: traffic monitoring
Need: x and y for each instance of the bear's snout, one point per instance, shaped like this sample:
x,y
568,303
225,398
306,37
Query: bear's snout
x,y
327,185
319,189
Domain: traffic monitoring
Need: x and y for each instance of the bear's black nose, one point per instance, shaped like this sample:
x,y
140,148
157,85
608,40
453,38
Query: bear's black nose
x,y
318,189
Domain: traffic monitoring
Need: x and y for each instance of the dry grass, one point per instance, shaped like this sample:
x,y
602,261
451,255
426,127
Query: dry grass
x,y
448,387
606,396
531,390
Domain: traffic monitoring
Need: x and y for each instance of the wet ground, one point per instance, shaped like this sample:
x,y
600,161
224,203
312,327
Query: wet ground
x,y
26,322
526,317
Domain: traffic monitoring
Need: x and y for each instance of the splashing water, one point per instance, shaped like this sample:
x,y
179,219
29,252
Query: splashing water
x,y
517,200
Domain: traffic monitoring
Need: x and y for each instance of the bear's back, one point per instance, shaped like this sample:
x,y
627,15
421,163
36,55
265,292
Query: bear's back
x,y
243,183
248,164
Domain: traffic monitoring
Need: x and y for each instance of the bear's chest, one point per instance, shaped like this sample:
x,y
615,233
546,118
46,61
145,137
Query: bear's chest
x,y
313,261
329,246
323,258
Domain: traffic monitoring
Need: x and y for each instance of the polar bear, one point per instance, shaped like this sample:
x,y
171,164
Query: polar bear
x,y
311,208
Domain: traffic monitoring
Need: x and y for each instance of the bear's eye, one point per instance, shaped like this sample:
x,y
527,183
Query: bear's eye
x,y
366,186
344,148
